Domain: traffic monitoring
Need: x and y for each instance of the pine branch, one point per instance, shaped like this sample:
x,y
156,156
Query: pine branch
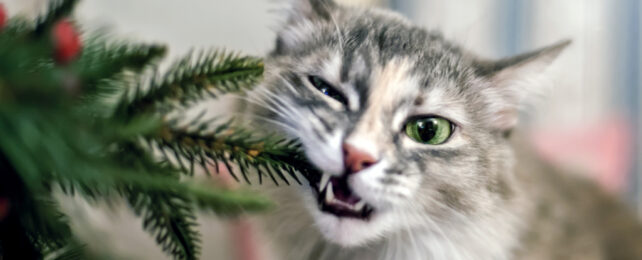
x,y
77,162
167,208
161,176
192,77
58,9
133,128
17,26
45,225
228,202
171,219
228,145
24,73
101,60
164,203
49,139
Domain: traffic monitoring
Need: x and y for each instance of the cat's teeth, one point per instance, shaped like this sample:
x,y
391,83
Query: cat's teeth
x,y
329,196
359,206
324,181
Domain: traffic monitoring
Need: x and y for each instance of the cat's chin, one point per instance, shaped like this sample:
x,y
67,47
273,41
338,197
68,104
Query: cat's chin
x,y
345,231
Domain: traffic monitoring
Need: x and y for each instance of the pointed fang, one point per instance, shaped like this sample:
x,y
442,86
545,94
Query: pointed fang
x,y
329,195
359,206
324,181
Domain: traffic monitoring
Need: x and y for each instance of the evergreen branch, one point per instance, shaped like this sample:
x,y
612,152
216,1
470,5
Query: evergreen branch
x,y
17,27
163,177
170,218
154,192
134,128
76,162
218,201
49,139
229,144
102,61
105,67
58,9
190,78
24,74
44,224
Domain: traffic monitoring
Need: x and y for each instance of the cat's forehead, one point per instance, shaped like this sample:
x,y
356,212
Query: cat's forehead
x,y
376,58
359,42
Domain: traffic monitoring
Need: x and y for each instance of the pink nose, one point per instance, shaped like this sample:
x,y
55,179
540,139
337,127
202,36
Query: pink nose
x,y
356,160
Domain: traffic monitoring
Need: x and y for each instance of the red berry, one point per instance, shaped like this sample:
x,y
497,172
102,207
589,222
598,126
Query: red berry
x,y
66,42
4,207
3,16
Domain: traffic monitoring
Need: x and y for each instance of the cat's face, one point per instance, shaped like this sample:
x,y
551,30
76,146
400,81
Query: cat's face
x,y
409,131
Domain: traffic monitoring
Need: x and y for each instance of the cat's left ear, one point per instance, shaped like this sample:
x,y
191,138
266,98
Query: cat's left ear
x,y
303,16
311,10
512,82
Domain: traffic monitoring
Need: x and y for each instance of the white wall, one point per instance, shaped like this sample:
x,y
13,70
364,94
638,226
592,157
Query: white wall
x,y
238,25
579,79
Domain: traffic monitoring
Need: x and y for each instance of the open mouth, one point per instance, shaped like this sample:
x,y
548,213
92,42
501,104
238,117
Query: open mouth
x,y
334,196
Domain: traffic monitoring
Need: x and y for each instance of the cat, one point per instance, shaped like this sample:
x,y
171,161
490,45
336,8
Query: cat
x,y
414,139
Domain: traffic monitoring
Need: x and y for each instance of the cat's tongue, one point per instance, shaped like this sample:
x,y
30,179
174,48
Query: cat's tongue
x,y
342,192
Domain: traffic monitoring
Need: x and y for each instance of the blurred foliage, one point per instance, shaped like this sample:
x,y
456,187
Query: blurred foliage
x,y
91,128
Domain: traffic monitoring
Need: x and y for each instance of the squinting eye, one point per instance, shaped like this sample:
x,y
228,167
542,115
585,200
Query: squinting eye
x,y
327,89
429,130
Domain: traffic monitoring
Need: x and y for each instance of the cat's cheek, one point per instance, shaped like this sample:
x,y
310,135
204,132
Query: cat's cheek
x,y
326,155
309,199
364,185
385,196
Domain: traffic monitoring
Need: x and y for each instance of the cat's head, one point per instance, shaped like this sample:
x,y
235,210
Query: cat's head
x,y
409,129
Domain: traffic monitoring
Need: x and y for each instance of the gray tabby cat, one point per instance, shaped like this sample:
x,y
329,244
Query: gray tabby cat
x,y
413,136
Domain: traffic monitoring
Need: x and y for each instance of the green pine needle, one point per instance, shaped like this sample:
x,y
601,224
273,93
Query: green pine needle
x,y
48,233
228,202
169,216
193,77
229,144
60,130
101,60
58,9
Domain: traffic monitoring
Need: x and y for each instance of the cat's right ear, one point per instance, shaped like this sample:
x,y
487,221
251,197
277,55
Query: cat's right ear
x,y
514,82
303,15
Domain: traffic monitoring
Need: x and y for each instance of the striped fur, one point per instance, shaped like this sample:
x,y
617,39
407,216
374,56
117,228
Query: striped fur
x,y
468,198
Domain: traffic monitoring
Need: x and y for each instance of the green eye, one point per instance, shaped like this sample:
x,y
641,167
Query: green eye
x,y
327,89
429,130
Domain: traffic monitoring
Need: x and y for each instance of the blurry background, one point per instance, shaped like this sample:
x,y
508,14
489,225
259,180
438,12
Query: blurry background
x,y
589,121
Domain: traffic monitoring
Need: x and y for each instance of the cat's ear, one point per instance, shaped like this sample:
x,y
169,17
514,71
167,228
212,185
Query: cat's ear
x,y
513,82
311,10
303,18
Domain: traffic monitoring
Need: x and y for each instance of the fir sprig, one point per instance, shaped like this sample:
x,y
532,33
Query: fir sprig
x,y
170,217
193,77
58,9
102,59
60,133
128,170
233,145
